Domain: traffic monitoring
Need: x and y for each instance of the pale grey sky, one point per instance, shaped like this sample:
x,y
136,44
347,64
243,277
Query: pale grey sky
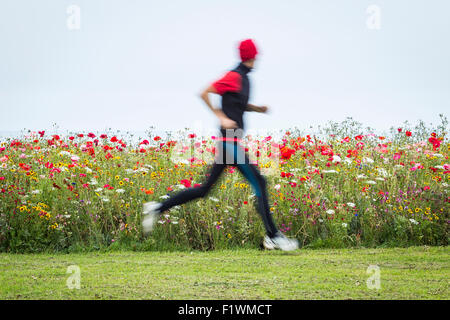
x,y
135,63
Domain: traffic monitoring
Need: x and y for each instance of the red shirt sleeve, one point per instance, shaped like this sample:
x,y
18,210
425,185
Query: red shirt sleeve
x,y
231,82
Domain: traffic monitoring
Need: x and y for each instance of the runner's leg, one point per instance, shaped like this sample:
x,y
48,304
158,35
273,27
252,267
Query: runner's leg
x,y
194,193
258,182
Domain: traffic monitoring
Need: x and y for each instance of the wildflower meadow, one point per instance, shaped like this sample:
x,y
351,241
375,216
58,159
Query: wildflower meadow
x,y
343,186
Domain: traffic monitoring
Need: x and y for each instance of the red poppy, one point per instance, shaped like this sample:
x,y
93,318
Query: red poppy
x,y
408,133
186,183
286,153
435,142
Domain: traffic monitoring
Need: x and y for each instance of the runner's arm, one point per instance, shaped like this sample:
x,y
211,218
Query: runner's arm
x,y
224,120
251,107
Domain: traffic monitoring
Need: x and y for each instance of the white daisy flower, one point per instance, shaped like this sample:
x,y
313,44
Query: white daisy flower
x,y
330,211
336,159
351,204
383,172
413,221
65,153
344,224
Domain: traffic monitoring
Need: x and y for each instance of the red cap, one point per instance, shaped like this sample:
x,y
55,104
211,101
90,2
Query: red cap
x,y
247,50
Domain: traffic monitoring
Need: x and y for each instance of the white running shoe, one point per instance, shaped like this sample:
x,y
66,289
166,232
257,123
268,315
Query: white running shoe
x,y
280,241
151,215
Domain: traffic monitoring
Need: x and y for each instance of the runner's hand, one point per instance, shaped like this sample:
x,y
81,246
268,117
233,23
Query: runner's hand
x,y
263,109
227,123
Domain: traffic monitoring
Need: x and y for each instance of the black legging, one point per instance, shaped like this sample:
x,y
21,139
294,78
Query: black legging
x,y
231,153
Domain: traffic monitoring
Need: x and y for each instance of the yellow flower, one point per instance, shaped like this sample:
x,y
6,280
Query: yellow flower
x,y
117,177
120,183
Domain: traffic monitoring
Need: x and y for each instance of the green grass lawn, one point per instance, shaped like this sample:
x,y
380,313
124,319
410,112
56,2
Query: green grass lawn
x,y
405,273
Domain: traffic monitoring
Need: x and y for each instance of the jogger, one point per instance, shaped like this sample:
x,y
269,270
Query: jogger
x,y
234,88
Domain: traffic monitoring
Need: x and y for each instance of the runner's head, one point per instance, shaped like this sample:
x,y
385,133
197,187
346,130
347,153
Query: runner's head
x,y
248,52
